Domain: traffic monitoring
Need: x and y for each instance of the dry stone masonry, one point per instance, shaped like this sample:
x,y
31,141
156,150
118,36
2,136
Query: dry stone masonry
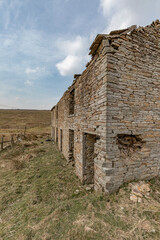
x,y
108,121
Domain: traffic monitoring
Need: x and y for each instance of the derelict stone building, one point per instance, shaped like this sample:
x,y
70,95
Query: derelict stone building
x,y
108,121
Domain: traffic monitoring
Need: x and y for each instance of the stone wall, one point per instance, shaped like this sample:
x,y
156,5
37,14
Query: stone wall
x,y
82,109
133,105
116,100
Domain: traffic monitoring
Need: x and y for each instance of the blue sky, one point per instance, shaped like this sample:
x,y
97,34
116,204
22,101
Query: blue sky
x,y
43,43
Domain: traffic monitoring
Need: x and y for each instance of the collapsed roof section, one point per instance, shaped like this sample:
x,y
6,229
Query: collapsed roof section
x,y
113,34
118,33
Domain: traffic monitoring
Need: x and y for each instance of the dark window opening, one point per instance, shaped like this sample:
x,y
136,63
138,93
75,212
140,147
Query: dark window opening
x,y
110,41
57,135
52,115
71,102
57,112
71,145
61,139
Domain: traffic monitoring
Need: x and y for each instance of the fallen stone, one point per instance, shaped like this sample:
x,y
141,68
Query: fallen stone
x,y
138,191
88,229
88,188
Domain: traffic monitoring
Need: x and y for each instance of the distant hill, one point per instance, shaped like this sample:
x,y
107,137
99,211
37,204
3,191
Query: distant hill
x,y
19,119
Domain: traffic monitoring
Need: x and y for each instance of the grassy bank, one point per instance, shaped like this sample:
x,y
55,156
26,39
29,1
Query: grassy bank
x,y
41,198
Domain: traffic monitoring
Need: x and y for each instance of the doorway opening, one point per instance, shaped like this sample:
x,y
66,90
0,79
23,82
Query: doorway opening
x,y
53,133
89,155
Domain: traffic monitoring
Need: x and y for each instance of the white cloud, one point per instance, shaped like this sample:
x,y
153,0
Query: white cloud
x,y
75,55
8,42
69,65
32,70
122,19
17,98
29,83
124,13
72,46
107,6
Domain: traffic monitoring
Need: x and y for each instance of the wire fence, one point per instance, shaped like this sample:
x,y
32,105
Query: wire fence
x,y
13,139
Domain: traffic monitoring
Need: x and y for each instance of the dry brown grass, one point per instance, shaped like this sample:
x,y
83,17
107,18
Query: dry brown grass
x,y
15,121
8,118
42,199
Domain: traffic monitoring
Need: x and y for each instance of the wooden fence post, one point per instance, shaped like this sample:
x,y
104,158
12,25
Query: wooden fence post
x,y
25,131
2,142
12,141
17,137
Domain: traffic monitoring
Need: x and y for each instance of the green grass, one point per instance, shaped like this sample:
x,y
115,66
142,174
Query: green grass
x,y
40,201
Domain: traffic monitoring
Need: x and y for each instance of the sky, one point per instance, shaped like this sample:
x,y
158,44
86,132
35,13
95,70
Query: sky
x,y
43,43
